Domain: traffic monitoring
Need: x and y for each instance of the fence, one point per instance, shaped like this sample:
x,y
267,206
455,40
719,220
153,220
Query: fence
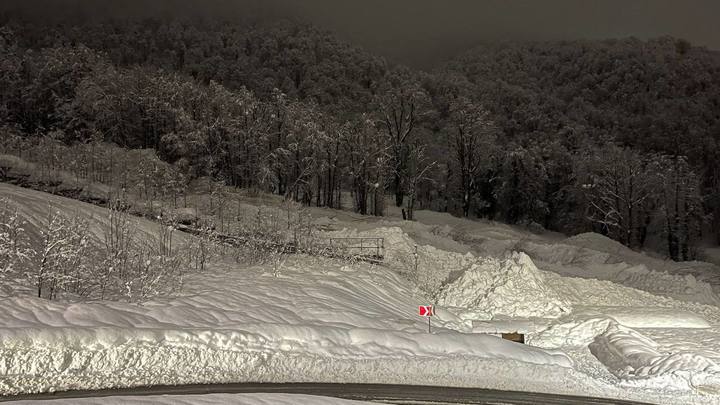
x,y
361,247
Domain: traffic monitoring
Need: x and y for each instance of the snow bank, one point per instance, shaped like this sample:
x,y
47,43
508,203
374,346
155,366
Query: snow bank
x,y
209,399
632,356
331,324
684,287
592,255
646,318
511,287
585,324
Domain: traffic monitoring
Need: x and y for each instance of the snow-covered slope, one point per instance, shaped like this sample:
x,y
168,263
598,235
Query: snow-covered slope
x,y
590,331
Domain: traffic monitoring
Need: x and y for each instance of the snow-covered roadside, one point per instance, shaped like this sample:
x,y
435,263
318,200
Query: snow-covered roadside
x,y
332,324
312,324
209,399
319,320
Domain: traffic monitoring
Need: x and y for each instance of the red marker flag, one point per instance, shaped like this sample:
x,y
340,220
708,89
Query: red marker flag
x,y
426,310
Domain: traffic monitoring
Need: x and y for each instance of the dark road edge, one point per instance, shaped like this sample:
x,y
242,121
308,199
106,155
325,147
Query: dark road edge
x,y
367,392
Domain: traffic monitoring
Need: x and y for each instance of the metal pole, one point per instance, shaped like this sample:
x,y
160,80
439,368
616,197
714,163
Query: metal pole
x,y
416,260
429,325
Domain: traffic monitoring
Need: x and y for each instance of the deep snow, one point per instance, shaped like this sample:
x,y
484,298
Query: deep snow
x,y
600,320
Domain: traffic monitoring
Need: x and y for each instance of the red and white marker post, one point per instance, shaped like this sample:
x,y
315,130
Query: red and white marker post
x,y
426,311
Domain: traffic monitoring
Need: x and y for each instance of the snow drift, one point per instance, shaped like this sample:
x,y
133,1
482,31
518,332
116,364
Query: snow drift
x,y
631,356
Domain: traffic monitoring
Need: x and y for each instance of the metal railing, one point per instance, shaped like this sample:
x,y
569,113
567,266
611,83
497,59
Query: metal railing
x,y
365,247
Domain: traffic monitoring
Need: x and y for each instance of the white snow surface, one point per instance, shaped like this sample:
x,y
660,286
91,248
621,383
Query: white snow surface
x,y
209,399
633,356
511,287
333,324
590,255
600,319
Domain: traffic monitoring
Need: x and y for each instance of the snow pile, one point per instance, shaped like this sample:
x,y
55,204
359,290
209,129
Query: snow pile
x,y
632,356
511,287
209,399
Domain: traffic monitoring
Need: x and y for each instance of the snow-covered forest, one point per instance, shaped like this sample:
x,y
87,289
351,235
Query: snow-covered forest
x,y
617,136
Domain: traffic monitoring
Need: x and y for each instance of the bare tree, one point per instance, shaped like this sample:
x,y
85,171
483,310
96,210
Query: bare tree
x,y
622,190
681,206
419,167
400,105
368,156
473,143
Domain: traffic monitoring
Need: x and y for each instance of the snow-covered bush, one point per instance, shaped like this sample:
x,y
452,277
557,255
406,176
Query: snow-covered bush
x,y
136,270
15,250
203,247
150,274
61,258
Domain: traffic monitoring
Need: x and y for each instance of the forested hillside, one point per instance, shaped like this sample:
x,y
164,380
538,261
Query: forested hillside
x,y
620,137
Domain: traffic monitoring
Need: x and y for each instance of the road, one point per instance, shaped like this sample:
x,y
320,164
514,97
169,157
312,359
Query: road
x,y
393,394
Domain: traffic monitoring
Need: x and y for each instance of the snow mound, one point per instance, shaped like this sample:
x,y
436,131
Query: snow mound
x,y
585,324
511,287
631,356
598,242
685,287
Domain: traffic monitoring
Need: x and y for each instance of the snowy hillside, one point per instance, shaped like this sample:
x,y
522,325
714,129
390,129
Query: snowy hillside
x,y
590,329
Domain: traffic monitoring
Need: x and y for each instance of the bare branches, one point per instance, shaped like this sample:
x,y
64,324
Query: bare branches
x,y
622,190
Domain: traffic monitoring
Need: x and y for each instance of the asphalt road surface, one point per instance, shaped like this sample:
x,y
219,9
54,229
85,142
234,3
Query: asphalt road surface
x,y
391,394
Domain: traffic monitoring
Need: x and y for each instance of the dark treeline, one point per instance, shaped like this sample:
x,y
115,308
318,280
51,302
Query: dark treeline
x,y
619,137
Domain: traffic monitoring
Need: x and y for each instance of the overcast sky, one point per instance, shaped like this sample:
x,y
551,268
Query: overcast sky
x,y
420,32
423,32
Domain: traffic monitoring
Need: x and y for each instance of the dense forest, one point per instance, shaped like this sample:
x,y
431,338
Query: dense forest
x,y
617,136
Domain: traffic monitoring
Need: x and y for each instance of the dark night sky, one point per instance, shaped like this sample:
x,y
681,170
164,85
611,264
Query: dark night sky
x,y
423,32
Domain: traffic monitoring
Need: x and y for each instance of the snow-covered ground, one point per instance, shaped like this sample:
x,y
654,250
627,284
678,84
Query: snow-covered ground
x,y
599,319
210,399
